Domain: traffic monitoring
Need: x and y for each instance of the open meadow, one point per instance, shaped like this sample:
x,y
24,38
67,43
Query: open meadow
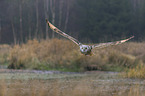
x,y
55,83
26,70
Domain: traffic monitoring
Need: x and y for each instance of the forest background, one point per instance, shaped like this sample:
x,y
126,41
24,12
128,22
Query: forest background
x,y
87,20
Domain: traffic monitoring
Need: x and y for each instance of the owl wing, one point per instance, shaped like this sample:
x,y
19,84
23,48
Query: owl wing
x,y
102,45
62,33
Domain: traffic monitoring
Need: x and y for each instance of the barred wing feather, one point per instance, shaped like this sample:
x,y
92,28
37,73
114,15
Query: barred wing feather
x,y
101,45
62,33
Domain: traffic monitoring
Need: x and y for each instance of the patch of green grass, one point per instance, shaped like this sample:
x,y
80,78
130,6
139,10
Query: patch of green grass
x,y
113,68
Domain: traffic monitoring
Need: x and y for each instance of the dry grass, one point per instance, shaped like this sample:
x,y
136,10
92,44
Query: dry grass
x,y
4,52
133,48
51,53
84,87
63,54
137,72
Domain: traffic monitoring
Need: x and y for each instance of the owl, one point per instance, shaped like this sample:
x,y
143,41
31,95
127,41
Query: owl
x,y
86,49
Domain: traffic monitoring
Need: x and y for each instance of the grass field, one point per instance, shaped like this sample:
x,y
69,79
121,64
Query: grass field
x,y
64,55
47,83
74,78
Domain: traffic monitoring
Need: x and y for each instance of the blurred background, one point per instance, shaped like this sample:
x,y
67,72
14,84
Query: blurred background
x,y
87,20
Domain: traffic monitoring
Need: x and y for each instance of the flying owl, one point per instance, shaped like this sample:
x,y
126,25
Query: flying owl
x,y
85,49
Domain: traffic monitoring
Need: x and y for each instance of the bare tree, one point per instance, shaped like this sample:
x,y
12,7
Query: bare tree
x,y
134,4
67,15
52,8
137,4
60,11
0,28
14,34
46,16
37,18
30,29
21,27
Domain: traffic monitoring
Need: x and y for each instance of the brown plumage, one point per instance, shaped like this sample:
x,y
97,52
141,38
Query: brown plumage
x,y
86,49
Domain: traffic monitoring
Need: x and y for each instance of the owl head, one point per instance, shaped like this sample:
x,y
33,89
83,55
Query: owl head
x,y
85,49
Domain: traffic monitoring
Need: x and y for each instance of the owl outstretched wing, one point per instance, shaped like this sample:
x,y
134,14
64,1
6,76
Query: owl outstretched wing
x,y
102,45
62,33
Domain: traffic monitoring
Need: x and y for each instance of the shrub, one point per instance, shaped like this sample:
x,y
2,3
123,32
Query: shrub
x,y
58,54
35,55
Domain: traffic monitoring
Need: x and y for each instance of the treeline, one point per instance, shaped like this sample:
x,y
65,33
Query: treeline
x,y
87,20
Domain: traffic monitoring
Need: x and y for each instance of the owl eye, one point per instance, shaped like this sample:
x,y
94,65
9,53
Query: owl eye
x,y
82,48
86,48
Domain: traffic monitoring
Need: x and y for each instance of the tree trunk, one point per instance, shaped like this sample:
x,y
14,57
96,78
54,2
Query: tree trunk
x,y
60,12
29,20
67,15
0,29
14,34
37,19
46,17
21,27
52,7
